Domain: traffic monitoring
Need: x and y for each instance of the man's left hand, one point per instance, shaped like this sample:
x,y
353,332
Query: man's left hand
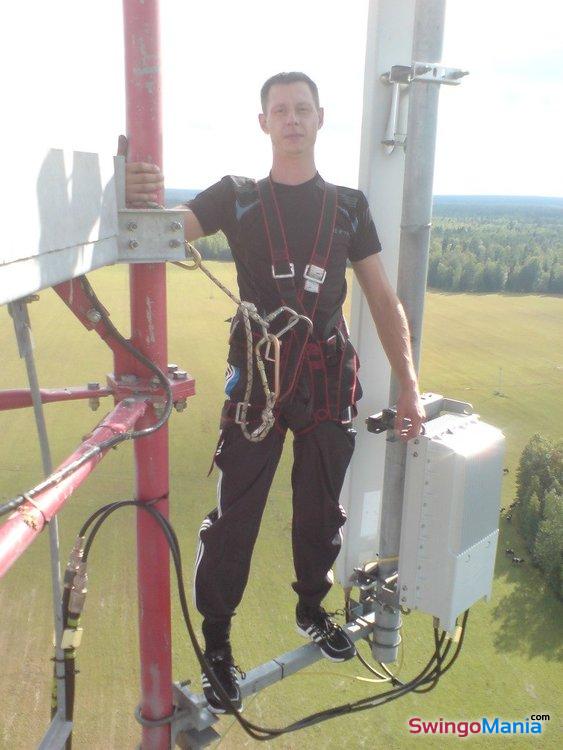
x,y
410,413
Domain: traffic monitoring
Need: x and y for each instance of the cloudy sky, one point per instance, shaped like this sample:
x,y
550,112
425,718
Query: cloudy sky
x,y
499,131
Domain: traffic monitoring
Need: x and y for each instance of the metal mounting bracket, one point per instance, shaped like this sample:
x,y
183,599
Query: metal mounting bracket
x,y
423,71
400,77
150,235
437,73
147,235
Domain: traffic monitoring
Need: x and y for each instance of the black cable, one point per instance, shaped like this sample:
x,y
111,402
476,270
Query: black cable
x,y
429,676
56,477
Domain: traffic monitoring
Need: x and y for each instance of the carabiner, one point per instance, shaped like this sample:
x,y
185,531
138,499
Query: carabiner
x,y
268,340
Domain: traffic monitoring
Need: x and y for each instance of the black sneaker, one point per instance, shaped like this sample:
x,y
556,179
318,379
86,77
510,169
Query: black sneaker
x,y
333,641
221,661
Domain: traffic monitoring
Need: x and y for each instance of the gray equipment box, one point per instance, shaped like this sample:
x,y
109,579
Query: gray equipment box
x,y
449,528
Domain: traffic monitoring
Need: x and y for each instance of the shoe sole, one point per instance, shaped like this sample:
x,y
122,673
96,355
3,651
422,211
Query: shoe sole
x,y
304,634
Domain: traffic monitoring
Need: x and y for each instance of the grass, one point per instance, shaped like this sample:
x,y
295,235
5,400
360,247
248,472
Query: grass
x,y
511,662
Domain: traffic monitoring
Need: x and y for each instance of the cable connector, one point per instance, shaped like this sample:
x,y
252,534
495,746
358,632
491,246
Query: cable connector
x,y
74,562
72,638
79,590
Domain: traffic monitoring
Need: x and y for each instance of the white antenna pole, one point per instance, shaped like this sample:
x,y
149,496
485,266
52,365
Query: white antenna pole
x,y
403,55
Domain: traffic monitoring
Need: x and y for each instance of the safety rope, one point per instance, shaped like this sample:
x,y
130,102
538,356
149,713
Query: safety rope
x,y
269,340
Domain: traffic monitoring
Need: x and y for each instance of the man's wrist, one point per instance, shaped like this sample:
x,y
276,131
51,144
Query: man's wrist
x,y
408,383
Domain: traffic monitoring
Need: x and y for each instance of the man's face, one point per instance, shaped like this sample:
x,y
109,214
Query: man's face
x,y
291,118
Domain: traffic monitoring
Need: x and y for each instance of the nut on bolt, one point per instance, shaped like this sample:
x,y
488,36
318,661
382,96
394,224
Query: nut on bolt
x,y
159,407
94,402
133,244
181,404
180,375
175,226
93,315
174,243
132,226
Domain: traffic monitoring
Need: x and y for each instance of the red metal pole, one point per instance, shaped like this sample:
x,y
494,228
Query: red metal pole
x,y
28,521
148,333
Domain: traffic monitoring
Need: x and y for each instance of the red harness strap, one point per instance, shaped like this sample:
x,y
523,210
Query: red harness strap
x,y
305,299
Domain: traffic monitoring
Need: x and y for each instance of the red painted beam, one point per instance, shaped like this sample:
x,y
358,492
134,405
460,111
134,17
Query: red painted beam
x,y
19,398
148,333
28,521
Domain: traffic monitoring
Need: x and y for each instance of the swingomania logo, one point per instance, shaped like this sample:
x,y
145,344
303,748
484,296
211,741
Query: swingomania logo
x,y
487,725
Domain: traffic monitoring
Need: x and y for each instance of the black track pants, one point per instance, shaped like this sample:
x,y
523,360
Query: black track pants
x,y
228,533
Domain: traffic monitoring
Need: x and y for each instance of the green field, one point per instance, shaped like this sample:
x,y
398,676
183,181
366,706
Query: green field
x,y
502,353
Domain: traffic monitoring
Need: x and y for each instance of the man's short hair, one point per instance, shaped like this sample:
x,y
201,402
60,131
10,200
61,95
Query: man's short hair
x,y
293,77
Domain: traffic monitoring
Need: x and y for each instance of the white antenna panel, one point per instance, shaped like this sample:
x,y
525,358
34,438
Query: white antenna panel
x,y
62,98
67,226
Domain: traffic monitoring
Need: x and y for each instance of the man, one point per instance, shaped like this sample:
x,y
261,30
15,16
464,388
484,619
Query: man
x,y
291,235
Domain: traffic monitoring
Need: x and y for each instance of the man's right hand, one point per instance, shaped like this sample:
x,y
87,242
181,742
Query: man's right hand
x,y
143,184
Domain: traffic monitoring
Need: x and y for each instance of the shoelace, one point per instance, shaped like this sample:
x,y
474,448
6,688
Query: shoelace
x,y
324,623
224,663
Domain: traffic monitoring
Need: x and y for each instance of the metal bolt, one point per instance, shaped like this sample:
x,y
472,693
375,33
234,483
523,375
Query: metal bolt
x,y
172,367
133,244
175,226
174,243
403,598
155,381
181,404
94,403
93,386
180,375
132,226
403,588
417,441
158,407
93,316
415,454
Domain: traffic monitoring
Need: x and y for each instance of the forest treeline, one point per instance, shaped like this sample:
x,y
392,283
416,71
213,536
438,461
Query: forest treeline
x,y
481,244
539,506
496,245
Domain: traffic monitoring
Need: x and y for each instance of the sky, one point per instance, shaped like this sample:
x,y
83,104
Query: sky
x,y
499,132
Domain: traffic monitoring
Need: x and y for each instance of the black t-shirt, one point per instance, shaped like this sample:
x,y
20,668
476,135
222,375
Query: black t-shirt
x,y
232,205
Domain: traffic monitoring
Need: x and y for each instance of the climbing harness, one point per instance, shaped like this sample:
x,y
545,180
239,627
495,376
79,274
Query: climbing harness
x,y
268,341
326,359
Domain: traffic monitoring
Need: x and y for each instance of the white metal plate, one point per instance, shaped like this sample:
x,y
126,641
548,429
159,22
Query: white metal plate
x,y
67,228
62,89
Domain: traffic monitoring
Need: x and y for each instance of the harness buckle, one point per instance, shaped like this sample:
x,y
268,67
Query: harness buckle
x,y
348,416
238,410
314,276
289,275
